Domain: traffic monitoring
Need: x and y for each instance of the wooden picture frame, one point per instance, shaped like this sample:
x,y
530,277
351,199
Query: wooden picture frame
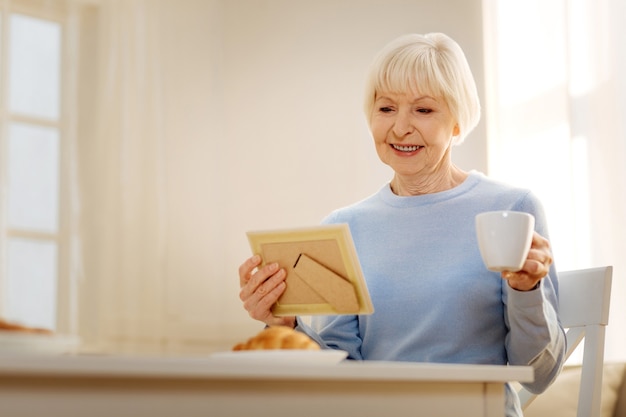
x,y
323,271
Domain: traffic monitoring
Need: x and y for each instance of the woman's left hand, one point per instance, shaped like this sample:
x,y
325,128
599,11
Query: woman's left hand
x,y
536,266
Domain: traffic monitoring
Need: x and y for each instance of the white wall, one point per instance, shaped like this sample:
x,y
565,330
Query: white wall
x,y
263,128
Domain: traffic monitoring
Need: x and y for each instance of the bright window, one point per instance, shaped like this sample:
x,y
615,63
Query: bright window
x,y
31,141
33,178
34,66
533,77
529,76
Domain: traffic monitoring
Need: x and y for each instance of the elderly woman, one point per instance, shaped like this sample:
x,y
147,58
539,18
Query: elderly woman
x,y
435,301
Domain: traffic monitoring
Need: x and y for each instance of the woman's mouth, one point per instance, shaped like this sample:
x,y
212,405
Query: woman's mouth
x,y
406,148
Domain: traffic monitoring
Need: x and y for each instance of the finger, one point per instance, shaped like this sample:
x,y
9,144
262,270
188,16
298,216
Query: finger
x,y
539,241
262,281
536,267
260,309
532,270
539,253
520,280
246,269
537,258
259,302
262,275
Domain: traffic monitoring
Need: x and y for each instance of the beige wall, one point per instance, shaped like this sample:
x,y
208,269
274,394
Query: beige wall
x,y
263,128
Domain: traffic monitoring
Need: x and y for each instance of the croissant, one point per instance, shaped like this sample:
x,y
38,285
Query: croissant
x,y
278,337
14,327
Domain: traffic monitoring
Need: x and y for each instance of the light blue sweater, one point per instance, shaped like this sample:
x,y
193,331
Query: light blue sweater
x,y
434,299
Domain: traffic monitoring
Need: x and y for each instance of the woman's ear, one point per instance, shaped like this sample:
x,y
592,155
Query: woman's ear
x,y
456,131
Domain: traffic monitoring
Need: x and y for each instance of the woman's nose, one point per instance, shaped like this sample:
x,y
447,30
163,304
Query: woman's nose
x,y
402,124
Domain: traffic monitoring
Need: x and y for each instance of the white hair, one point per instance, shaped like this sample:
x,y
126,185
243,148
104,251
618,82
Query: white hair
x,y
432,64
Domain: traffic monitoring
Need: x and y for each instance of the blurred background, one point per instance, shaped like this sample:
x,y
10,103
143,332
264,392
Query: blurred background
x,y
141,139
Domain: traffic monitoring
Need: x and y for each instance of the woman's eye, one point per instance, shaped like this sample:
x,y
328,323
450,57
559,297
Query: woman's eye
x,y
386,109
425,111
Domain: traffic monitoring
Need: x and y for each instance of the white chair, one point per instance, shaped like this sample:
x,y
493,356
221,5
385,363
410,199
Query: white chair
x,y
584,297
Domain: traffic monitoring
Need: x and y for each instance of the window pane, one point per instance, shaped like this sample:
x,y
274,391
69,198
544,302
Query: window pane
x,y
33,162
31,285
34,60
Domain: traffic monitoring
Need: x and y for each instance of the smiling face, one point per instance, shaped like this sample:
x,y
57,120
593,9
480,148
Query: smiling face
x,y
413,134
421,99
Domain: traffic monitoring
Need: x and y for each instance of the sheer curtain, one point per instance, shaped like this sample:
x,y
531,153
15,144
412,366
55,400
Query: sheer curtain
x,y
598,117
215,117
123,229
185,103
557,102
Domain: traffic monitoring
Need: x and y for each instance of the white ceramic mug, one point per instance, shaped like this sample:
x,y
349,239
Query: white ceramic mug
x,y
504,239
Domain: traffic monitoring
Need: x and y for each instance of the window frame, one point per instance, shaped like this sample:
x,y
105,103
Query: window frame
x,y
60,13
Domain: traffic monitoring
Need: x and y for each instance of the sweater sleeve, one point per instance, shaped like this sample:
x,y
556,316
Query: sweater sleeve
x,y
334,332
535,336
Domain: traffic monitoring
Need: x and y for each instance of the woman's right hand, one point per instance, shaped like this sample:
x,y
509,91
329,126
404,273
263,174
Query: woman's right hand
x,y
260,289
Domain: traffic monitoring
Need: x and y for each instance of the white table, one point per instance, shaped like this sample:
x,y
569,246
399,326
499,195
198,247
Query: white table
x,y
94,386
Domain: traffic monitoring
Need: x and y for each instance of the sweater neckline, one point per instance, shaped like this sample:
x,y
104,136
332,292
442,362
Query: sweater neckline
x,y
424,199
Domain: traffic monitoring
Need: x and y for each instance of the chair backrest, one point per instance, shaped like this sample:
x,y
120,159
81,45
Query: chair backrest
x,y
584,297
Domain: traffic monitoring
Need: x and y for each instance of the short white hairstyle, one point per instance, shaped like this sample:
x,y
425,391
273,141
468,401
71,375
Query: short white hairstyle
x,y
431,64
